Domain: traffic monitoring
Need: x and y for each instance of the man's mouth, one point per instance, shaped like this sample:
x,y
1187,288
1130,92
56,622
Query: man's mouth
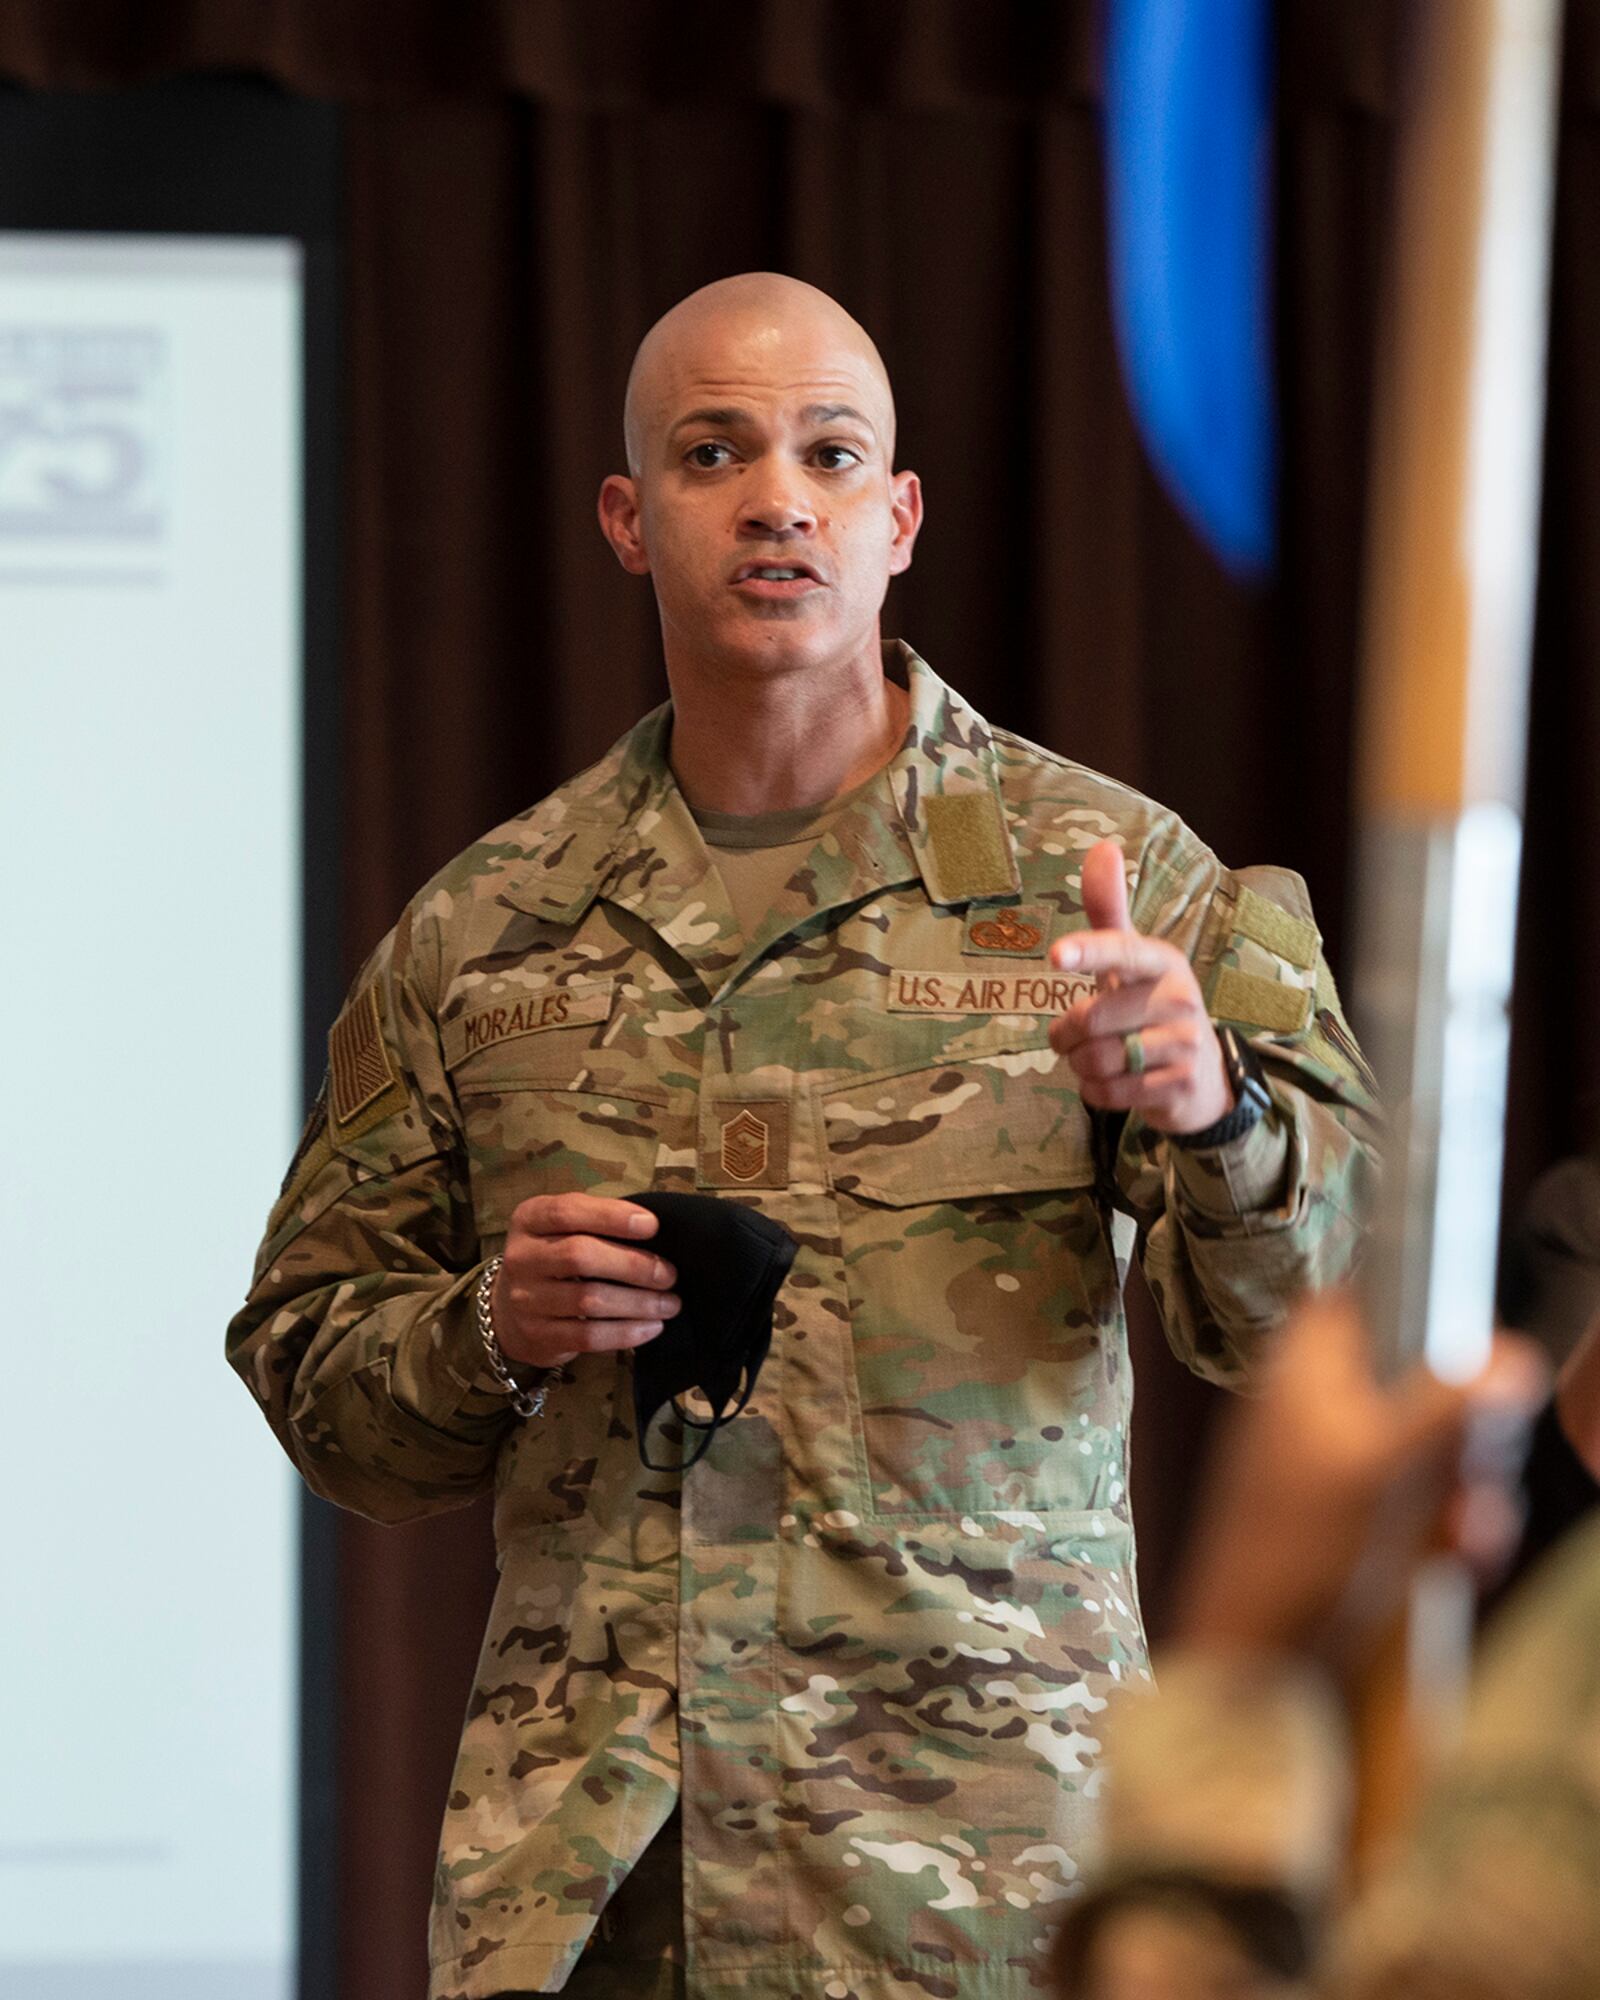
x,y
775,579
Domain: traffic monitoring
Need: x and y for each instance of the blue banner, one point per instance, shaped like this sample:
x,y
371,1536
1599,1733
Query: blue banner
x,y
1188,129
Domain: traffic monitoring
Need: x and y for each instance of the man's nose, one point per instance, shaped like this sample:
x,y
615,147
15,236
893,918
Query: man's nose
x,y
776,500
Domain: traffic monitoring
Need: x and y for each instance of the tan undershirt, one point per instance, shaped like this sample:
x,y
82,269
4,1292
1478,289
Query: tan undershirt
x,y
756,853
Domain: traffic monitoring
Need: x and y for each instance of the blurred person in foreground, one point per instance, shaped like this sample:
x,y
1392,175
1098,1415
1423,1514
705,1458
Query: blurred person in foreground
x,y
975,1024
1551,1289
1229,1792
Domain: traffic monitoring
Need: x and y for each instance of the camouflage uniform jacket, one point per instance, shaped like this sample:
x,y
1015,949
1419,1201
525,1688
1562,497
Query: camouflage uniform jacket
x,y
868,1636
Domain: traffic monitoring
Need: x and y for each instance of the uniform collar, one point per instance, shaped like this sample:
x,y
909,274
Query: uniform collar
x,y
631,839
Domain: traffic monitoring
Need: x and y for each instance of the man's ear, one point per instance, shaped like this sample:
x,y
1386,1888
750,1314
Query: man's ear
x,y
621,523
905,502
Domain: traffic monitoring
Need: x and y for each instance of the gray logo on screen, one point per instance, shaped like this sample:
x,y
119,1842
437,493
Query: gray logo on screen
x,y
82,434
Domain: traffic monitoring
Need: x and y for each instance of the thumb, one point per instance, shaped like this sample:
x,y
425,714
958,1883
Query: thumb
x,y
1105,887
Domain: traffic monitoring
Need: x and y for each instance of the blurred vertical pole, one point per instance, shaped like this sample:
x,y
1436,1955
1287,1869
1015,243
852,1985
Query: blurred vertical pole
x,y
1443,720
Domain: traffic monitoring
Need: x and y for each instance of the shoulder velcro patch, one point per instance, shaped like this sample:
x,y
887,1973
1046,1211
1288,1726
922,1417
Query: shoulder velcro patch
x,y
1269,924
971,849
1258,1003
362,1077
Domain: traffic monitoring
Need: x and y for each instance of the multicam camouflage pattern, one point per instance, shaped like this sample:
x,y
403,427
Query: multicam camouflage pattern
x,y
869,1637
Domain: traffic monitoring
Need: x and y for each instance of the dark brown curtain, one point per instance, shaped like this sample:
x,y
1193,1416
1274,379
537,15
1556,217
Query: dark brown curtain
x,y
530,184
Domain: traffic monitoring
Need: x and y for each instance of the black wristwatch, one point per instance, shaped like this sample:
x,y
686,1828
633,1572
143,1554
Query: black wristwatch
x,y
1252,1100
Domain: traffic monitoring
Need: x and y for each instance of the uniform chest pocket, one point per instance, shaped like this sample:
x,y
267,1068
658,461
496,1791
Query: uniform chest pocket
x,y
527,1138
985,1313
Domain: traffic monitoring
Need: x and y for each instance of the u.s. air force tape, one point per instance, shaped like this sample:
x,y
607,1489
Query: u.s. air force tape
x,y
986,993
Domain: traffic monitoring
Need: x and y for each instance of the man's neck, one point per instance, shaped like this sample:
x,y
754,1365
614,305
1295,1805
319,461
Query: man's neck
x,y
746,744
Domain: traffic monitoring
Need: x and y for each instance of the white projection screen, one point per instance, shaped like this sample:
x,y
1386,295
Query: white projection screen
x,y
150,760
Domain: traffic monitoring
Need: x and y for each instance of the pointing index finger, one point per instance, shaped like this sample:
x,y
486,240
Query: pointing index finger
x,y
1126,953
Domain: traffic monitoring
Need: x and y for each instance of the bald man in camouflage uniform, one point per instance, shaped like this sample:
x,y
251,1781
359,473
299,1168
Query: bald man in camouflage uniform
x,y
954,1027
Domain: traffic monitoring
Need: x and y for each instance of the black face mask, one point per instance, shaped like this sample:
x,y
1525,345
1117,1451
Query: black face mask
x,y
730,1262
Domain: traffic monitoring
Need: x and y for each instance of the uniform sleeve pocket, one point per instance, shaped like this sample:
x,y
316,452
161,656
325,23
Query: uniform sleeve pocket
x,y
321,1181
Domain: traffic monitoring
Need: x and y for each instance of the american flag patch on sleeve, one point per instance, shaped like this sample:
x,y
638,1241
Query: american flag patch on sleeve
x,y
358,1057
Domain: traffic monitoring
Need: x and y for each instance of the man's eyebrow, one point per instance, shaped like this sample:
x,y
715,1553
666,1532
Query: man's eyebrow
x,y
834,413
726,418
729,417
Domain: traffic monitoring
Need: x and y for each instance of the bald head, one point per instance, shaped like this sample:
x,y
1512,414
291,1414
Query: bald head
x,y
761,497
759,324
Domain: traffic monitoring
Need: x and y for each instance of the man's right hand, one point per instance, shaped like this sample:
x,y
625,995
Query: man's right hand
x,y
569,1283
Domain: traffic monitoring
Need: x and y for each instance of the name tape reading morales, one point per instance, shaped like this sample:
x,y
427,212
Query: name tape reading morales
x,y
1002,993
512,1014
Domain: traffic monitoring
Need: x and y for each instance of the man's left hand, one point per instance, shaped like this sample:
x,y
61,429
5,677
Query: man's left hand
x,y
1147,989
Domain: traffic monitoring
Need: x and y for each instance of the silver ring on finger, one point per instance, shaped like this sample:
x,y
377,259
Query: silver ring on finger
x,y
1133,1053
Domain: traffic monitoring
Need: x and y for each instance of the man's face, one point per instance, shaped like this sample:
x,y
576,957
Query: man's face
x,y
762,502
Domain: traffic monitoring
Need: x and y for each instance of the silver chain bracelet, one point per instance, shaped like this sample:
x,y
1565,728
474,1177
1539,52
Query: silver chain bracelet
x,y
526,1402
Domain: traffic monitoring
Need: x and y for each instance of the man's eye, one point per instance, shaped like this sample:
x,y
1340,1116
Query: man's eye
x,y
708,456
837,457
